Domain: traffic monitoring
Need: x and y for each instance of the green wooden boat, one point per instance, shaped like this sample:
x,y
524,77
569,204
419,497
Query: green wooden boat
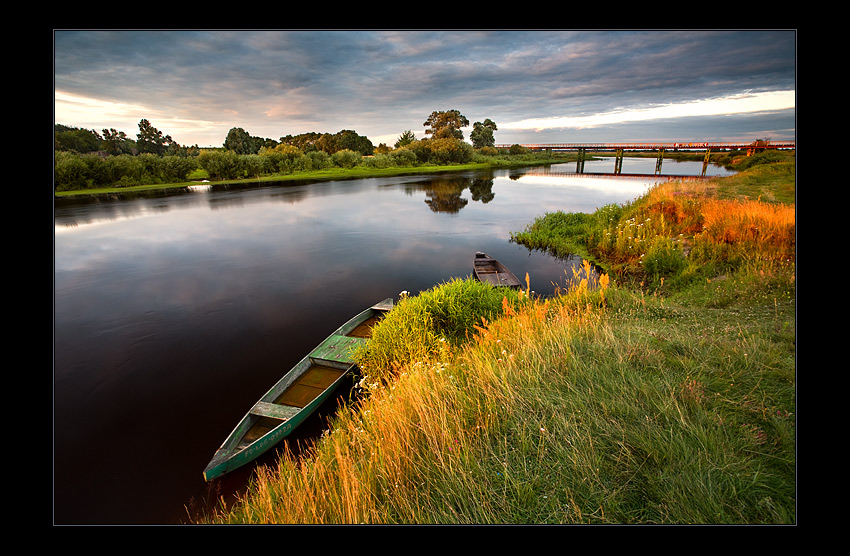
x,y
295,396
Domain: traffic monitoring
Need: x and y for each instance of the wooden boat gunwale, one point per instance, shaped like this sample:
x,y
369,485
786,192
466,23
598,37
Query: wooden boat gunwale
x,y
333,352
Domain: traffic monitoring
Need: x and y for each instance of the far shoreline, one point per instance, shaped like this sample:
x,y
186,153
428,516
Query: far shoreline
x,y
326,174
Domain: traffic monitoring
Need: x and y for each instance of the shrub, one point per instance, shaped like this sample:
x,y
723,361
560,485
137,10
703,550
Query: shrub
x,y
97,173
177,168
220,164
151,168
517,149
419,328
281,159
124,170
318,160
69,172
763,157
251,164
403,157
448,150
346,158
378,161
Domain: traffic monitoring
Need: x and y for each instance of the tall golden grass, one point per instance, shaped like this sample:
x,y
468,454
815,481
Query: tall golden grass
x,y
768,230
429,446
697,222
597,405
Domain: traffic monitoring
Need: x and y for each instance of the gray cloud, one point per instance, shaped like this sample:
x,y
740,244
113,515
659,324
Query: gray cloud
x,y
381,83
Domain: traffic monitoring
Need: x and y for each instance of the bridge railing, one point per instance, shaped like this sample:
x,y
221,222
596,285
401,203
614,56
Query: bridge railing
x,y
660,148
651,146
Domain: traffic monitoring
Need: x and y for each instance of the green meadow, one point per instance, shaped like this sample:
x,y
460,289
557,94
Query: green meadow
x,y
659,387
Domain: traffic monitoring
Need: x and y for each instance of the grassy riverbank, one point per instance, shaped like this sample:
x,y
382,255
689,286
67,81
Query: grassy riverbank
x,y
314,175
363,170
660,392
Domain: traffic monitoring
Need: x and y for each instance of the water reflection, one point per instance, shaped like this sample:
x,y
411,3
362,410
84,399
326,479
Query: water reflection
x,y
192,304
446,194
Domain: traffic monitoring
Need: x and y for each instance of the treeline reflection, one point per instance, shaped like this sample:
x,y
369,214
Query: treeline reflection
x,y
446,194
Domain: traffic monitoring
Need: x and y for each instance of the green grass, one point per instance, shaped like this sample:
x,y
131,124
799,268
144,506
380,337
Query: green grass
x,y
609,403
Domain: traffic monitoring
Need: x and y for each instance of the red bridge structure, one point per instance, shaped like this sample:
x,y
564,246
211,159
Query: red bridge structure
x,y
660,147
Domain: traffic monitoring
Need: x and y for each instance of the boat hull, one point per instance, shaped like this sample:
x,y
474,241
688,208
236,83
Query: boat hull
x,y
295,396
490,271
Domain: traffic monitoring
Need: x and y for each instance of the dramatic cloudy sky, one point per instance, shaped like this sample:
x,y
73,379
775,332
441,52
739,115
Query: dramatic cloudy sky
x,y
537,86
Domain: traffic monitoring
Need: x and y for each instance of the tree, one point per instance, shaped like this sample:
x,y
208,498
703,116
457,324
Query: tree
x,y
116,142
263,143
239,141
306,142
348,139
75,139
446,124
150,139
405,139
482,134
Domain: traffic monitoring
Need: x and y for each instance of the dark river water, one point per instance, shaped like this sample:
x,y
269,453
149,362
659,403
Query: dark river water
x,y
174,313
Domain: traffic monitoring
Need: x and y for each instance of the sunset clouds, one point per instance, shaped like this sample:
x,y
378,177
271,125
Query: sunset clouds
x,y
538,86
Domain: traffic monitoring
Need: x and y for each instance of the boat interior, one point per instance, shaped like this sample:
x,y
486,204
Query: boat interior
x,y
320,375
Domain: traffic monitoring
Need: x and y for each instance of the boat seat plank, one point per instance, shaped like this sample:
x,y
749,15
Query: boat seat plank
x,y
385,305
337,348
273,410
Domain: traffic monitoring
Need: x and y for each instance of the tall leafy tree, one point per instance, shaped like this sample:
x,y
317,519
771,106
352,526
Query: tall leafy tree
x,y
348,139
239,141
75,139
263,143
444,124
150,139
482,134
116,142
306,142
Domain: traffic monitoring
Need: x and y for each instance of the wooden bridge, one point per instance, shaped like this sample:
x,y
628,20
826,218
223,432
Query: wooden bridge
x,y
660,147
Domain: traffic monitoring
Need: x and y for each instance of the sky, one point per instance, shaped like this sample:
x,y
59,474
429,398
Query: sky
x,y
538,86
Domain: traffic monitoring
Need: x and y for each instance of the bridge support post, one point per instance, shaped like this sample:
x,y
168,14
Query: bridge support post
x,y
580,161
618,162
705,161
658,162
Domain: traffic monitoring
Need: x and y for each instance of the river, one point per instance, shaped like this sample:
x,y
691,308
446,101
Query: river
x,y
174,312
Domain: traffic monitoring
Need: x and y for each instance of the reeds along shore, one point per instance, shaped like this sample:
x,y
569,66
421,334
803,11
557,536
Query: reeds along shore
x,y
656,393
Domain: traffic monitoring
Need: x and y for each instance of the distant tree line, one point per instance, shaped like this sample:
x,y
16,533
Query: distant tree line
x,y
86,159
149,140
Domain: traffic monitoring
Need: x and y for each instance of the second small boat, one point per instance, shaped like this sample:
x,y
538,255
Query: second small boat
x,y
490,271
